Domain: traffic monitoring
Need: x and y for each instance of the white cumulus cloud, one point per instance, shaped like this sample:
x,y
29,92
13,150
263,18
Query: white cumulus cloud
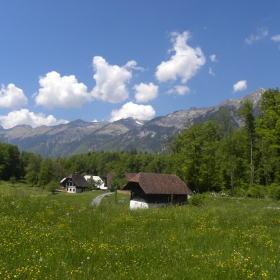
x,y
26,117
211,72
275,38
133,65
261,34
61,92
184,63
145,92
240,86
181,90
111,80
142,112
213,58
12,97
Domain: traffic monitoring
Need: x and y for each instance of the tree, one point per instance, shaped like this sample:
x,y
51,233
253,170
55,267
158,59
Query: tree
x,y
194,154
94,183
52,187
46,172
9,161
268,129
33,169
249,120
118,180
268,122
58,172
24,161
227,129
232,165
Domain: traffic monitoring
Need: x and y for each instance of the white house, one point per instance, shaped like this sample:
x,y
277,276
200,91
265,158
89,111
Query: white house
x,y
98,180
74,183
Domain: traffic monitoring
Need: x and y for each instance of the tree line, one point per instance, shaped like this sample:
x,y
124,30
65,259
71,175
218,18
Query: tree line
x,y
211,155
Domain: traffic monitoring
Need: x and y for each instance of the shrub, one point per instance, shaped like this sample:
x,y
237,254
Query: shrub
x,y
13,180
274,191
196,200
240,191
256,191
52,187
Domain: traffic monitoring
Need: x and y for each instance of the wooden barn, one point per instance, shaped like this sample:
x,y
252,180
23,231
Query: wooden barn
x,y
154,189
75,183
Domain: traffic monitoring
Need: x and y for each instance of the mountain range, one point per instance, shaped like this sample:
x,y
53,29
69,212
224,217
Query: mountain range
x,y
128,134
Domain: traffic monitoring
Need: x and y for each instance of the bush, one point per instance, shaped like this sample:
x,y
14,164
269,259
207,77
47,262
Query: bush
x,y
256,191
240,192
52,187
274,191
196,200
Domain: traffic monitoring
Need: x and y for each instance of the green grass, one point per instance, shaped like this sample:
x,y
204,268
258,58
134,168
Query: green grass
x,y
23,189
227,238
77,199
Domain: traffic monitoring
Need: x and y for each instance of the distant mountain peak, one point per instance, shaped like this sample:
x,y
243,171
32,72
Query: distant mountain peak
x,y
151,136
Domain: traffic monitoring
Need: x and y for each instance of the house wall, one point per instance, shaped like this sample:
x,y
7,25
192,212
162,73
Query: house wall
x,y
70,186
142,204
71,189
159,198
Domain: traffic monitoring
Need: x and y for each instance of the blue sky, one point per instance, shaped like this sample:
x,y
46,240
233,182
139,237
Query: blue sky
x,y
105,60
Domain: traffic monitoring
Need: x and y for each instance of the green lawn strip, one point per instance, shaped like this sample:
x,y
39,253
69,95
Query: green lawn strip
x,y
77,199
23,189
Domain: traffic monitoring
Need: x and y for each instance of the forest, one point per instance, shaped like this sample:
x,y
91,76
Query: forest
x,y
208,156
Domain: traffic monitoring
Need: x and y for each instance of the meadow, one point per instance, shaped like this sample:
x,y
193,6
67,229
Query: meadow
x,y
51,237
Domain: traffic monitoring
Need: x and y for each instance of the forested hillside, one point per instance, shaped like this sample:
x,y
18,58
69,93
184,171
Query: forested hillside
x,y
212,155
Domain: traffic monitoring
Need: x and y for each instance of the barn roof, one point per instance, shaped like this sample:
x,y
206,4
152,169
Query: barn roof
x,y
155,183
129,176
79,180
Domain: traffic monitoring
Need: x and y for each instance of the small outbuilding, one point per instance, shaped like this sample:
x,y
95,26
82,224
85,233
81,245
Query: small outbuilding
x,y
154,189
75,183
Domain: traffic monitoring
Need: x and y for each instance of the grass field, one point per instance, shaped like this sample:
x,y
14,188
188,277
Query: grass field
x,y
51,237
25,190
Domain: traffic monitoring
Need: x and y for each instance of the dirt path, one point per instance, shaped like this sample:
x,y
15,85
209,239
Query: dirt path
x,y
96,201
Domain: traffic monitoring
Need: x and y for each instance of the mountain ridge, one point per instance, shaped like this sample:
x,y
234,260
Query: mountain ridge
x,y
151,136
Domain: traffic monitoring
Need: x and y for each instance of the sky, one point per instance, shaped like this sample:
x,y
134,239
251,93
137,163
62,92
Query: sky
x,y
106,60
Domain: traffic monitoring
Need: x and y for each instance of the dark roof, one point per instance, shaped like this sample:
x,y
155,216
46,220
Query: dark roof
x,y
155,183
79,180
129,176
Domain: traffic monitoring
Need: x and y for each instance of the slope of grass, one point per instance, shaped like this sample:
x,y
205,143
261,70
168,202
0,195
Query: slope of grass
x,y
23,189
226,238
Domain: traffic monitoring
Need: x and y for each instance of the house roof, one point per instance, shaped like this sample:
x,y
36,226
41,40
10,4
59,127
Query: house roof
x,y
79,180
97,179
110,176
155,183
129,176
